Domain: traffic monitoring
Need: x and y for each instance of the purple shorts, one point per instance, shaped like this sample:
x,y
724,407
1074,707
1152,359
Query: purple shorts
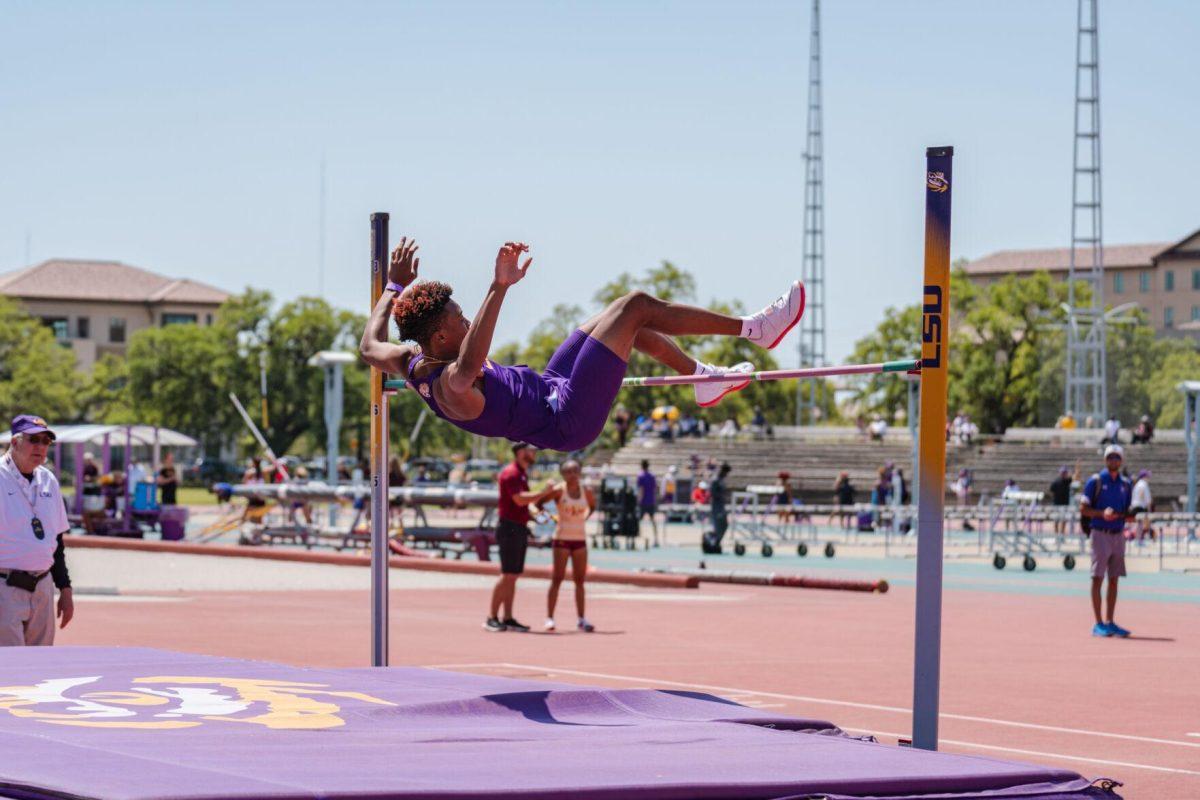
x,y
585,377
1108,553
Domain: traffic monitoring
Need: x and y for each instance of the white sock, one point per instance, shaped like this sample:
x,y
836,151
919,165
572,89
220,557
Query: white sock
x,y
751,328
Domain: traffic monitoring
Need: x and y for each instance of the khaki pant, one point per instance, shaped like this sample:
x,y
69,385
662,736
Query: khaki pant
x,y
27,618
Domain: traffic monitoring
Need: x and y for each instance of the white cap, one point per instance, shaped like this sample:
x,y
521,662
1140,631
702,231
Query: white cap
x,y
1114,450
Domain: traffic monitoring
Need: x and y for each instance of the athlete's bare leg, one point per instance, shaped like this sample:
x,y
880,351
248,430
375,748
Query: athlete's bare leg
x,y
617,327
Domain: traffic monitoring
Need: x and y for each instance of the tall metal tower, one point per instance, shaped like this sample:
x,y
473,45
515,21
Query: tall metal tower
x,y
812,326
1086,385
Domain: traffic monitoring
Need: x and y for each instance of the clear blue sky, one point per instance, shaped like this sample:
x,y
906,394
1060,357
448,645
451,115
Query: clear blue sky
x,y
187,138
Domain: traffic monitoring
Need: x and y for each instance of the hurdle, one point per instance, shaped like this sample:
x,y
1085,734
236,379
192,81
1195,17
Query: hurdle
x,y
930,368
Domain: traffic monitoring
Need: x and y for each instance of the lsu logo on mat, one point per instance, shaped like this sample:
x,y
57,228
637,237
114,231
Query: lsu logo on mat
x,y
174,702
936,181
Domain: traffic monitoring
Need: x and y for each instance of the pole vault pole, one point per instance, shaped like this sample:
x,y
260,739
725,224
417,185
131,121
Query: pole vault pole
x,y
935,353
379,462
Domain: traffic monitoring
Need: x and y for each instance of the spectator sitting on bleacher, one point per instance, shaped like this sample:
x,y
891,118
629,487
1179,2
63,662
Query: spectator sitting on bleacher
x,y
1112,430
689,426
1144,432
1066,422
968,431
877,429
729,430
643,426
758,424
1010,488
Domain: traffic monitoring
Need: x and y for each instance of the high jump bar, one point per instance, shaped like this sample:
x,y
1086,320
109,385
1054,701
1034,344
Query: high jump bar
x,y
910,366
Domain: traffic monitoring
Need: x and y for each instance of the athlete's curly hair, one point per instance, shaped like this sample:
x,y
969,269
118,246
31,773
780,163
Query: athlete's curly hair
x,y
418,310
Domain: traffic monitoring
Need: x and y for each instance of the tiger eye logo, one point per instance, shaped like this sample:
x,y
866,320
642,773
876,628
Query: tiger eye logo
x,y
174,702
936,181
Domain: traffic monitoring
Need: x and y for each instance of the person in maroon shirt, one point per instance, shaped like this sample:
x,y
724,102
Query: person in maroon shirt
x,y
512,536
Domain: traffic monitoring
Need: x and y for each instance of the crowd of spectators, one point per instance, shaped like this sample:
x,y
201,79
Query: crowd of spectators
x,y
669,423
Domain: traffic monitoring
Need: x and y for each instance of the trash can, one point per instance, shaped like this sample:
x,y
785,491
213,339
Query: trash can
x,y
172,521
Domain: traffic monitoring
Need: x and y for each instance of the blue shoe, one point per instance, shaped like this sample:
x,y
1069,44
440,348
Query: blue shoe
x,y
1101,629
1116,630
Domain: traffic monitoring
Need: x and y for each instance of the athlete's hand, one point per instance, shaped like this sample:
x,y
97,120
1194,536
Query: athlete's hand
x,y
403,269
1110,514
509,268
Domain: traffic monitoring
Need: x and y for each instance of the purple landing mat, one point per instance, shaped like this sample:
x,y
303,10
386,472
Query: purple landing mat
x,y
134,724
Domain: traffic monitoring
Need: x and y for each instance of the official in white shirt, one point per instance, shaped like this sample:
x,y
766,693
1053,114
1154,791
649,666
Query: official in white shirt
x,y
33,519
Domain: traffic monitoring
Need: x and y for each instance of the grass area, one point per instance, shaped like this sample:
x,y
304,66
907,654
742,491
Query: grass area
x,y
195,496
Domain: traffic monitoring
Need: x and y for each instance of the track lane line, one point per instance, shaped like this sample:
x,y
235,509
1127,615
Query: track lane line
x,y
1039,753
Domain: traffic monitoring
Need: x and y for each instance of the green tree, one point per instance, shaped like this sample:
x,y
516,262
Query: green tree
x,y
998,350
548,334
1164,401
896,337
995,355
179,378
103,394
293,335
37,374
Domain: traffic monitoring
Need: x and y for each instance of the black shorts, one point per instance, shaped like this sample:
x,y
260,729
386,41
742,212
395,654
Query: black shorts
x,y
647,511
513,540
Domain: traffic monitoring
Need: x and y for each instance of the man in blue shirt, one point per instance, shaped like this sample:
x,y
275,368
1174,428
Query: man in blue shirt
x,y
648,497
1105,502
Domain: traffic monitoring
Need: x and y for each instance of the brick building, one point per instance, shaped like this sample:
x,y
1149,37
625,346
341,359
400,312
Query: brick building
x,y
1163,278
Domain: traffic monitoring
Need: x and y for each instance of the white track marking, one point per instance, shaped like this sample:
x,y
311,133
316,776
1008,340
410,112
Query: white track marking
x,y
727,690
1039,753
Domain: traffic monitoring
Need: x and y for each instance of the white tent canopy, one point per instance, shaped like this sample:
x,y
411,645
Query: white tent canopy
x,y
146,435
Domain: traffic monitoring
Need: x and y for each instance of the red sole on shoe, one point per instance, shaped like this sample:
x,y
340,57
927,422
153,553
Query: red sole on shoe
x,y
788,329
721,396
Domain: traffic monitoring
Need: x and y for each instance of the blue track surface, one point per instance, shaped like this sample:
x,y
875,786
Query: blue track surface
x,y
1048,579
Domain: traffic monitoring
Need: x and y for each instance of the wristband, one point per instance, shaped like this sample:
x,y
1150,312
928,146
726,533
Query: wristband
x,y
393,286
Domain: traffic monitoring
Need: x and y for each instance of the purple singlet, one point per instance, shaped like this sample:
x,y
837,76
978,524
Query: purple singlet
x,y
564,408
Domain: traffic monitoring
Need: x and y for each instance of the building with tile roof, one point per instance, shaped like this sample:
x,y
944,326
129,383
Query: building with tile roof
x,y
95,306
1162,278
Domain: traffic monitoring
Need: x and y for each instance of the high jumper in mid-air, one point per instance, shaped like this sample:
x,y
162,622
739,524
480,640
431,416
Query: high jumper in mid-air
x,y
565,406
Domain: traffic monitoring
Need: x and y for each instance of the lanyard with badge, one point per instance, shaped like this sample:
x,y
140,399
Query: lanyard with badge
x,y
38,530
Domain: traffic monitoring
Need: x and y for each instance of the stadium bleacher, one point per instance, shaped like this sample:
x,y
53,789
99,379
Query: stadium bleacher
x,y
814,460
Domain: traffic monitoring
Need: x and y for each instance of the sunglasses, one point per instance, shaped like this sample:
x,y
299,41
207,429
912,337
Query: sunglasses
x,y
42,440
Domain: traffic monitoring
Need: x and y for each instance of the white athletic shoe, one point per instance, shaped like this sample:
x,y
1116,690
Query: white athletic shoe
x,y
769,326
549,624
709,394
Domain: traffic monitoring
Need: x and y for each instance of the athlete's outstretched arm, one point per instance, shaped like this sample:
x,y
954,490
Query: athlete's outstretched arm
x,y
375,347
460,376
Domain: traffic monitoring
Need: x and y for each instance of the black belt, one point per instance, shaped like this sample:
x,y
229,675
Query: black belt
x,y
23,579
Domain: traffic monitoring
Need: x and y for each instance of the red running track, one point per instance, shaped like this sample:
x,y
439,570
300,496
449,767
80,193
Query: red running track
x,y
1022,677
